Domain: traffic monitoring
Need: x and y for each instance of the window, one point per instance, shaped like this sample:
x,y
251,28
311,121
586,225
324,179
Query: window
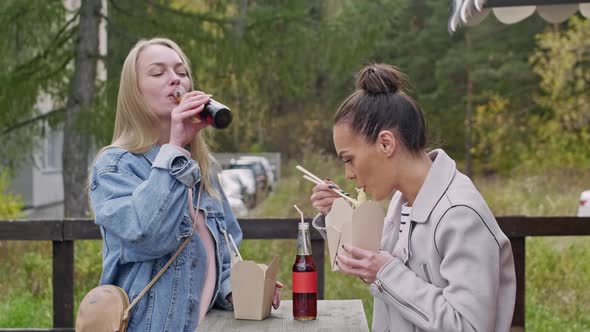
x,y
53,145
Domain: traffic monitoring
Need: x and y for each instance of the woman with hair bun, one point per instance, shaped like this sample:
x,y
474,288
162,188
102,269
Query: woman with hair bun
x,y
444,264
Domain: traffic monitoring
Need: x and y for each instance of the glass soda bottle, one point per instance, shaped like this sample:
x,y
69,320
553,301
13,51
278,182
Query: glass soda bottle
x,y
305,285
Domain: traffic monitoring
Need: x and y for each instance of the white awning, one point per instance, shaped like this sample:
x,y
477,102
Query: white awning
x,y
473,12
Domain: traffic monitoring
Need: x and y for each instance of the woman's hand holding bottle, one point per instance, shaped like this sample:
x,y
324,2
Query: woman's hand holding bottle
x,y
182,128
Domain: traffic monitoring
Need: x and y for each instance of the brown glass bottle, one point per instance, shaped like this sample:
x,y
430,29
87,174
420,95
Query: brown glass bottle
x,y
304,277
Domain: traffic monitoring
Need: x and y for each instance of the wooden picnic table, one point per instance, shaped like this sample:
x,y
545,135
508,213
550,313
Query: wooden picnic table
x,y
333,315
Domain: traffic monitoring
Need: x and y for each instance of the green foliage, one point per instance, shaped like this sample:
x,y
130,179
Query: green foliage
x,y
562,130
88,267
25,280
491,57
556,131
35,50
561,61
25,283
11,205
554,273
287,63
500,135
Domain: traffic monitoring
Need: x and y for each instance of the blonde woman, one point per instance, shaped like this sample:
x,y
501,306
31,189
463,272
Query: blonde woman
x,y
144,189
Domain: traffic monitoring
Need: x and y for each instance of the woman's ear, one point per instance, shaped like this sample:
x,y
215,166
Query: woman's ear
x,y
387,142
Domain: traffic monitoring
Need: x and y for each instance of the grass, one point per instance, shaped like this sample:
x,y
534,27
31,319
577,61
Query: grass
x,y
558,268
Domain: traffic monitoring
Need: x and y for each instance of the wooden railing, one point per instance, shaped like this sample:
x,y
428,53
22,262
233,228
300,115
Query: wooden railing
x,y
63,233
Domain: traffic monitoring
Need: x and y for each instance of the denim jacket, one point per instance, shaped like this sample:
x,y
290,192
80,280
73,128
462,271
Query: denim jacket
x,y
140,203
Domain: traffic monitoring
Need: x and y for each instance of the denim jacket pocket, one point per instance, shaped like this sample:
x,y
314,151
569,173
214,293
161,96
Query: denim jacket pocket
x,y
185,229
221,231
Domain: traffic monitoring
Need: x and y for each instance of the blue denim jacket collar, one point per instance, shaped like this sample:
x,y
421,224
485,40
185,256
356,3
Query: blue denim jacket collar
x,y
152,153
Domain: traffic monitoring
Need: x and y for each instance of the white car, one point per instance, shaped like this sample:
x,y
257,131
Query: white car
x,y
584,208
245,178
237,206
268,169
233,193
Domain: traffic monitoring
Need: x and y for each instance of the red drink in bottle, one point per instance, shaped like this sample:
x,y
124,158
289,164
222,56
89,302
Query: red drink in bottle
x,y
305,287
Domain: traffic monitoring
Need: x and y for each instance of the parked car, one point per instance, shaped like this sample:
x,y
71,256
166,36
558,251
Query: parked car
x,y
247,179
268,168
233,192
238,207
584,207
257,168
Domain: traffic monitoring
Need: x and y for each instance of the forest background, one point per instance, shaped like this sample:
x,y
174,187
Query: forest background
x,y
509,102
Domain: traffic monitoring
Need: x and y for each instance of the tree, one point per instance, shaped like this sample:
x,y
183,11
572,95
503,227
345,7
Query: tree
x,y
451,72
10,205
82,87
34,52
562,126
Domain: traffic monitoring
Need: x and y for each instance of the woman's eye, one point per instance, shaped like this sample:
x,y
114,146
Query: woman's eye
x,y
157,74
183,74
347,161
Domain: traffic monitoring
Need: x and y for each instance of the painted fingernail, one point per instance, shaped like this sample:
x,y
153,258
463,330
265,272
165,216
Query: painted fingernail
x,y
342,246
331,186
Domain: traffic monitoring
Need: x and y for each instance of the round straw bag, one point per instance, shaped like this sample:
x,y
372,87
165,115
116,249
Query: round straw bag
x,y
103,309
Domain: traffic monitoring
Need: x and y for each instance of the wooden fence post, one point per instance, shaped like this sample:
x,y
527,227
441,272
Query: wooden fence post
x,y
63,284
317,251
519,250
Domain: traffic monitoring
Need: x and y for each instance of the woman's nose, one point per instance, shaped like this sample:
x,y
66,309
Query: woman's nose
x,y
349,174
174,78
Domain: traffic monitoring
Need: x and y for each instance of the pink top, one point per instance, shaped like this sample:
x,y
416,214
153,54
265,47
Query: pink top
x,y
210,273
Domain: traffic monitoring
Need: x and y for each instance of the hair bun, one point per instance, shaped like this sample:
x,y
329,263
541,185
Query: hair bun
x,y
380,78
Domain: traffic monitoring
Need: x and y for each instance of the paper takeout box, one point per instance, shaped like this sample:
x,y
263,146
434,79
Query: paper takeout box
x,y
253,287
361,227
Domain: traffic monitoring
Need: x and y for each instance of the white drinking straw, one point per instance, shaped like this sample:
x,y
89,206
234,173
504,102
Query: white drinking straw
x,y
235,247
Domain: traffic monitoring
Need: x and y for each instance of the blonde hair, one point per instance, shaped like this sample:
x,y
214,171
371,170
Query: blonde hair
x,y
136,124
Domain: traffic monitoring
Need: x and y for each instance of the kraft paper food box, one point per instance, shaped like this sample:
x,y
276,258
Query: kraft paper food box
x,y
253,287
361,227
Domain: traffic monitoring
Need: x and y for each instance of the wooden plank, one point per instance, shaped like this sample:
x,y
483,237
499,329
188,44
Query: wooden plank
x,y
66,329
513,3
519,226
49,230
275,228
63,284
317,251
81,229
332,315
519,250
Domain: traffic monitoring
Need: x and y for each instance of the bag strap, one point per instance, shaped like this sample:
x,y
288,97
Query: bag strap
x,y
165,267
